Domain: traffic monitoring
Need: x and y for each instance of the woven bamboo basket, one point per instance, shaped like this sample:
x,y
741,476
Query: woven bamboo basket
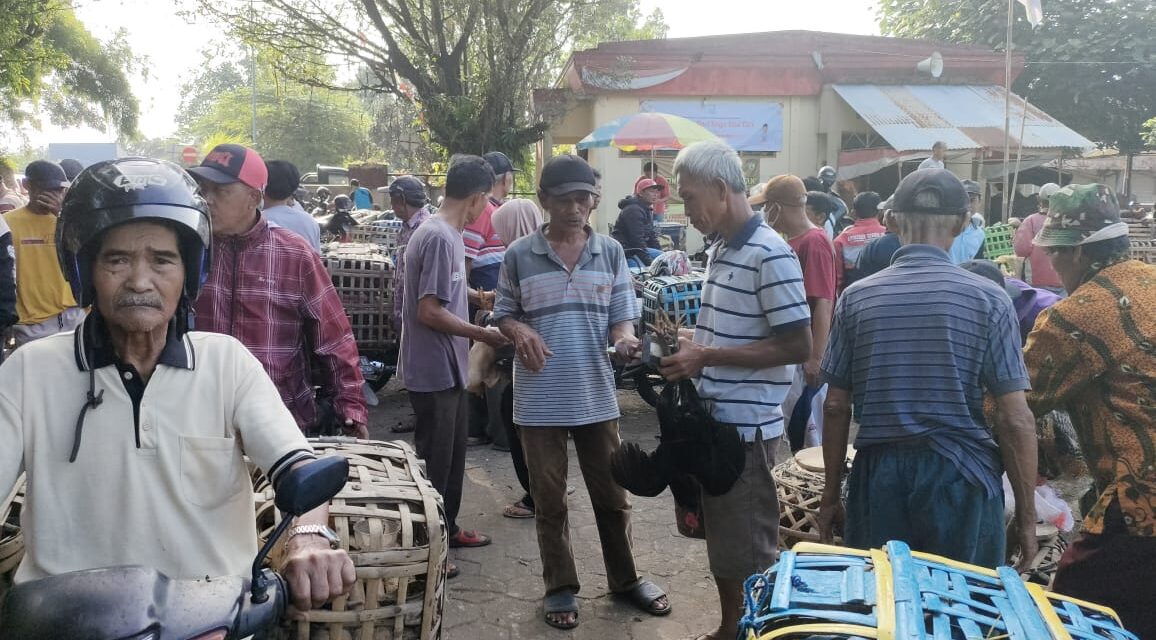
x,y
392,522
11,539
799,484
1052,545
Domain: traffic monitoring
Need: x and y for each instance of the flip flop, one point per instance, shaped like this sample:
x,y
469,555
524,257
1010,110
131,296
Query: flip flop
x,y
518,511
469,539
644,596
560,602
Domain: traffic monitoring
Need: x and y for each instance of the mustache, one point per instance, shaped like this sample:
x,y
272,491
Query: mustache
x,y
132,300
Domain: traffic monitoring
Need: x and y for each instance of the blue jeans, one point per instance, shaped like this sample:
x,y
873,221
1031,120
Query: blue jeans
x,y
911,493
636,263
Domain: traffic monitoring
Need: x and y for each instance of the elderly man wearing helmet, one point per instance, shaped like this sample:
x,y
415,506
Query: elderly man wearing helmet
x,y
1038,270
133,450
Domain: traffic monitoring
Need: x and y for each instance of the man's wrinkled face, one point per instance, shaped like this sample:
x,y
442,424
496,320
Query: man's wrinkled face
x,y
570,210
232,206
138,277
1068,265
704,203
400,208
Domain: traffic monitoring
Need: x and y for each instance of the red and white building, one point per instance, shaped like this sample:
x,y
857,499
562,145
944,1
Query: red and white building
x,y
793,101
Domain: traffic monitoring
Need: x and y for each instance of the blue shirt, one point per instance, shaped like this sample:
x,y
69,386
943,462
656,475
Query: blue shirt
x,y
362,198
573,311
754,289
967,244
917,344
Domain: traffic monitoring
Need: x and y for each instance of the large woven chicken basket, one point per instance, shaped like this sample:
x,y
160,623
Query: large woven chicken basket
x,y
11,539
391,521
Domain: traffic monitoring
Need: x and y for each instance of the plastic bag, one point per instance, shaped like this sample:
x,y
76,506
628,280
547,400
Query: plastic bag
x,y
1050,507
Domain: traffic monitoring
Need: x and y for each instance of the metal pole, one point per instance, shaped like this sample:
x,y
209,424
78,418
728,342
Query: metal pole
x,y
1007,195
253,83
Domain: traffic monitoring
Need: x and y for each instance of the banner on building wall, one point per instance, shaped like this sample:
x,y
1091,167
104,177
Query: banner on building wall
x,y
746,126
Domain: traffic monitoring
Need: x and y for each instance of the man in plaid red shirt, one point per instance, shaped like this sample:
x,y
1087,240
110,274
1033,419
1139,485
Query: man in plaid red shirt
x,y
270,291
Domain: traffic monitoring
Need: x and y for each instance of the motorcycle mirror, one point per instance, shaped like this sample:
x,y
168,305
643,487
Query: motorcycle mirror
x,y
301,490
308,486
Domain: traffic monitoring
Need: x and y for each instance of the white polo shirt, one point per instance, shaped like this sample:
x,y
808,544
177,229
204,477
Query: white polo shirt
x,y
180,500
754,290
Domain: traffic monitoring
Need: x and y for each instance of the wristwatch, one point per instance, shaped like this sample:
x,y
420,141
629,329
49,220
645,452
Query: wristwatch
x,y
317,529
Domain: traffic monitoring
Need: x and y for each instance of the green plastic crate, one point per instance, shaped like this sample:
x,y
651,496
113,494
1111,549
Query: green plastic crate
x,y
998,240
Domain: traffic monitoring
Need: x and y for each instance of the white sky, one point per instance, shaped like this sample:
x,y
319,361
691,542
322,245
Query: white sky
x,y
172,45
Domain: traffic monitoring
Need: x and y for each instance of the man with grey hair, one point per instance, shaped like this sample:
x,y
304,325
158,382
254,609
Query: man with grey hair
x,y
929,340
938,153
754,323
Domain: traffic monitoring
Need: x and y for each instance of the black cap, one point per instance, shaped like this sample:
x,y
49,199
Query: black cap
x,y
46,175
72,168
566,174
931,191
409,189
499,162
284,179
342,203
989,270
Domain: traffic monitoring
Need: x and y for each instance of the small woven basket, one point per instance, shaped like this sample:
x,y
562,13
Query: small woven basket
x,y
11,538
392,522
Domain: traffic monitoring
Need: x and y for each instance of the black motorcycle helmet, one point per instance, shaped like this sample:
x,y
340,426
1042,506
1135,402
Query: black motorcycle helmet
x,y
115,192
342,203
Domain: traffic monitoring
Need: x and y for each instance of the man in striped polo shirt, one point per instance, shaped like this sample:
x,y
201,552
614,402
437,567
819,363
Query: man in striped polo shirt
x,y
565,292
917,345
753,324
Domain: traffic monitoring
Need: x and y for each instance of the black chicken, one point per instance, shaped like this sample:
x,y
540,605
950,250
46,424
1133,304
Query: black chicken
x,y
694,450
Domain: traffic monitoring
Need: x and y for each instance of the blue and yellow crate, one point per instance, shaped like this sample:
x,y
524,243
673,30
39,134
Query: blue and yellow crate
x,y
820,591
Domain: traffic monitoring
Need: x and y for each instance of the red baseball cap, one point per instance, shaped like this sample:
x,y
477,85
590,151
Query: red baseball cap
x,y
644,184
229,163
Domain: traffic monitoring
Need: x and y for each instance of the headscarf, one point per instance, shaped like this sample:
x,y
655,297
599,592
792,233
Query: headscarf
x,y
515,219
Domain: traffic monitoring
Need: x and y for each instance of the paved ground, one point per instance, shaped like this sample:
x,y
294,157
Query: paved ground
x,y
498,595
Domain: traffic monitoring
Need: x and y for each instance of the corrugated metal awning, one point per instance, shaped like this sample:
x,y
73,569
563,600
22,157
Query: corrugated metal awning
x,y
913,117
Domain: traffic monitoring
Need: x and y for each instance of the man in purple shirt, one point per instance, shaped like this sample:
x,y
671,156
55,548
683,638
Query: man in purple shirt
x,y
436,335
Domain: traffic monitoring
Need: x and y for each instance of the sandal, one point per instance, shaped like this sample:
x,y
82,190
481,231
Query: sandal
x,y
469,539
518,510
645,596
560,602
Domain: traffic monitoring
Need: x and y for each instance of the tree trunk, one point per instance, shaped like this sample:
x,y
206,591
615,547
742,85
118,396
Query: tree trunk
x,y
1126,192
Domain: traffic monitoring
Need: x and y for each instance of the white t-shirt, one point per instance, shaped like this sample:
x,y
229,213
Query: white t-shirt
x,y
931,163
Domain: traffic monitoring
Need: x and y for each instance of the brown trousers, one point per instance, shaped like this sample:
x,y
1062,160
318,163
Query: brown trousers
x,y
547,461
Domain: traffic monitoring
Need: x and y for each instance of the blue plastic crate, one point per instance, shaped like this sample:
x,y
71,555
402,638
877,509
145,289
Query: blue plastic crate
x,y
678,296
833,592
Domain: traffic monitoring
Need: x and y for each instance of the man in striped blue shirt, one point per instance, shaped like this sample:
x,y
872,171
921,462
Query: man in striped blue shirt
x,y
917,345
754,323
564,293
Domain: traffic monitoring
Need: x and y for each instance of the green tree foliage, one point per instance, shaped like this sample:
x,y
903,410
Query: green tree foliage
x,y
51,65
469,65
303,124
1091,63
